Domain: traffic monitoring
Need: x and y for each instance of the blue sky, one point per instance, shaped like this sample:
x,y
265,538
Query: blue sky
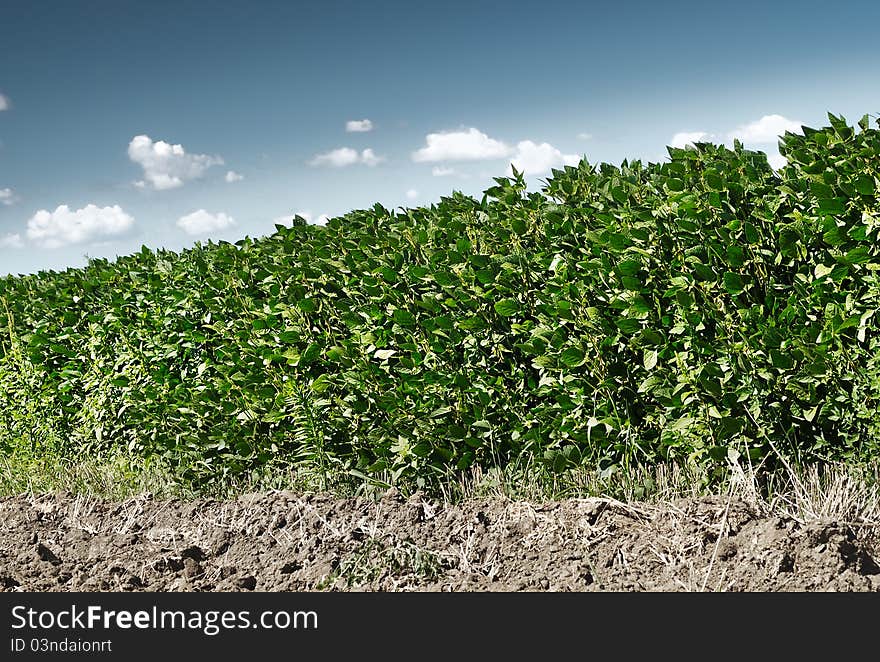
x,y
164,123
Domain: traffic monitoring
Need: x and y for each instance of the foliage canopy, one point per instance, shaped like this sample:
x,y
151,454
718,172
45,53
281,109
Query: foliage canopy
x,y
694,310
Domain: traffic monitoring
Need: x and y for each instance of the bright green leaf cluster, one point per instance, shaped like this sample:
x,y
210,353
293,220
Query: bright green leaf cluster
x,y
683,311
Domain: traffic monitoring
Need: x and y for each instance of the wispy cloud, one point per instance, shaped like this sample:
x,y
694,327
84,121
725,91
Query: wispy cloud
x,y
232,177
358,126
5,104
346,156
8,197
370,159
765,130
167,166
338,158
412,194
64,227
441,171
776,160
535,159
467,145
202,222
585,136
11,241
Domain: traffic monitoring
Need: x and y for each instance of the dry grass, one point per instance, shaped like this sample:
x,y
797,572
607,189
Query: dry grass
x,y
841,492
682,538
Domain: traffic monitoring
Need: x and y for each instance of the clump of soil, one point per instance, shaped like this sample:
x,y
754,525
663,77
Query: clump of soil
x,y
282,541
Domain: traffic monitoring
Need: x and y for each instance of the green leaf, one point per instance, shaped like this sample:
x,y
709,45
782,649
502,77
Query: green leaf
x,y
335,353
312,352
735,256
821,271
733,282
445,278
821,190
832,206
506,307
788,242
703,272
833,236
857,255
649,359
472,323
629,267
404,317
781,360
865,185
651,337
714,180
639,305
628,325
631,283
572,357
751,233
485,276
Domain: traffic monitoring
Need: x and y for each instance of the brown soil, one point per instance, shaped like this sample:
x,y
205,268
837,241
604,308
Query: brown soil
x,y
283,541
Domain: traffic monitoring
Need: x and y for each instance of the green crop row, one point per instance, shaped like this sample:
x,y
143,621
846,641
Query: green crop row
x,y
694,310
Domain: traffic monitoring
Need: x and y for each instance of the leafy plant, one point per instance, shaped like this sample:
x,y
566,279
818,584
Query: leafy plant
x,y
693,310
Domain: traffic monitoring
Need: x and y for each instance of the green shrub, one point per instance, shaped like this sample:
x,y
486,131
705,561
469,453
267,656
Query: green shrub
x,y
688,311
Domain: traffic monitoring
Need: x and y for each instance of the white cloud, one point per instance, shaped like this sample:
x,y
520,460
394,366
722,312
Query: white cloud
x,y
203,222
585,136
685,138
776,160
233,176
7,196
4,103
337,158
370,159
765,130
440,171
167,166
11,241
412,194
534,159
358,126
321,219
64,227
469,145
282,220
346,156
